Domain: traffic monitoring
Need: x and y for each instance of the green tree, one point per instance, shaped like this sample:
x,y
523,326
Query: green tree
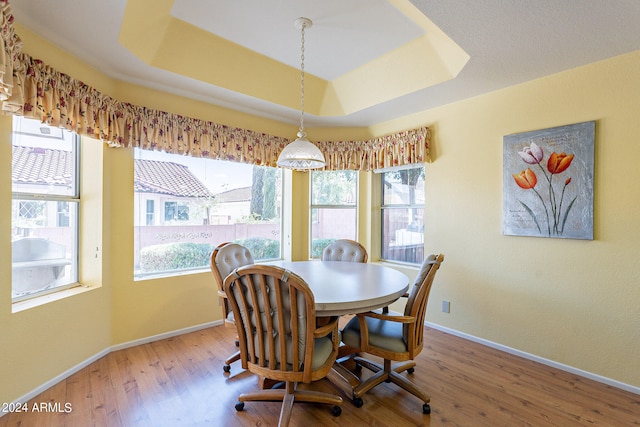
x,y
257,197
333,187
269,193
406,177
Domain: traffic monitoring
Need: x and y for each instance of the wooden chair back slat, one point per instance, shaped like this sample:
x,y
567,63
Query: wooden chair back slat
x,y
276,322
277,312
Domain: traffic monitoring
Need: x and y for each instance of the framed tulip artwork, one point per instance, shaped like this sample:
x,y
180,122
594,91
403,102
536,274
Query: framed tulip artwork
x,y
548,182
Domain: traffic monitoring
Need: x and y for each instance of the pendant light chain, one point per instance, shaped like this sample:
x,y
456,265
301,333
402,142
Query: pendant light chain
x,y
301,154
304,25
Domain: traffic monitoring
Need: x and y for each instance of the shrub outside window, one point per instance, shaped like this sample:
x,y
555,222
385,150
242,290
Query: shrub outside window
x,y
44,209
334,196
185,207
403,197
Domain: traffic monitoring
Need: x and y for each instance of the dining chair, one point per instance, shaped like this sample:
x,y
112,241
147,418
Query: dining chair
x,y
225,258
276,322
394,337
345,250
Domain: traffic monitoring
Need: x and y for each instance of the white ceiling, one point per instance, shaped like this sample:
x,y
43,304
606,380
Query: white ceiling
x,y
344,34
508,41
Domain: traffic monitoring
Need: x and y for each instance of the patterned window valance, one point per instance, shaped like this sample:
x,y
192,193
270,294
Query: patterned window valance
x,y
31,88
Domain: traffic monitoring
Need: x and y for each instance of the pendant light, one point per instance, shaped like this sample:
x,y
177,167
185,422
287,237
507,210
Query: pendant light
x,y
301,154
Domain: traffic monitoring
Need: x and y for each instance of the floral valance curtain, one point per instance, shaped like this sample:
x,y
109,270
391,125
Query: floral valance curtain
x,y
31,88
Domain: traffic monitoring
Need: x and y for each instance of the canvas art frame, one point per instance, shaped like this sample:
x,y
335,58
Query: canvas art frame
x,y
548,182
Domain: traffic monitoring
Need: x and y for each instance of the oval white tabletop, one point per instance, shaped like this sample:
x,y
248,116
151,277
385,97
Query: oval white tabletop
x,y
348,287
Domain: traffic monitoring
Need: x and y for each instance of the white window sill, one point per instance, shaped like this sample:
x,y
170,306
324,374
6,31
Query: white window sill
x,y
169,274
17,307
399,265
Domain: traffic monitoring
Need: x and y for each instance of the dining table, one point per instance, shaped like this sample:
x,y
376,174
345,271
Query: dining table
x,y
341,287
345,288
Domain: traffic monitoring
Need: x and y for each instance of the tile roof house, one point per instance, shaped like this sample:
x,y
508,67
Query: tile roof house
x,y
154,180
231,206
41,166
152,176
235,195
179,195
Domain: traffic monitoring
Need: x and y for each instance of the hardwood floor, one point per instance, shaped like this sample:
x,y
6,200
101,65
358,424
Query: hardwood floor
x,y
180,382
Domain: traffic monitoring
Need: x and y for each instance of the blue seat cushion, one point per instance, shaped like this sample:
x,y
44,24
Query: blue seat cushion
x,y
383,334
322,349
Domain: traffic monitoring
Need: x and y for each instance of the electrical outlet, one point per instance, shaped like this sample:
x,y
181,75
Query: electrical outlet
x,y
445,306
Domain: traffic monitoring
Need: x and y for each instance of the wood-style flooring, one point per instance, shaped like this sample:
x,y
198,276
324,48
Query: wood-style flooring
x,y
179,382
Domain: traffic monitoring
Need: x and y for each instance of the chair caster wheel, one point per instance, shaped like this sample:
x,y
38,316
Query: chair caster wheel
x,y
358,402
239,406
237,343
411,370
336,411
226,368
426,409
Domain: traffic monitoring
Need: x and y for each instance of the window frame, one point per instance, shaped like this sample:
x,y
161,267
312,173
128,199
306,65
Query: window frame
x,y
391,206
188,215
150,214
73,198
312,206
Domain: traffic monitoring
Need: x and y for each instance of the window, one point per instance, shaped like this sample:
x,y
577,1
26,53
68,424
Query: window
x,y
44,209
200,204
174,211
402,216
31,210
151,207
63,214
334,196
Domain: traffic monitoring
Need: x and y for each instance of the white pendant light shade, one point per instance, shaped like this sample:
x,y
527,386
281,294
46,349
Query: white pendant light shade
x,y
301,154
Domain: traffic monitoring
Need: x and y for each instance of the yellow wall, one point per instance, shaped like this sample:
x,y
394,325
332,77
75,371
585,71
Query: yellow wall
x,y
41,343
571,301
148,307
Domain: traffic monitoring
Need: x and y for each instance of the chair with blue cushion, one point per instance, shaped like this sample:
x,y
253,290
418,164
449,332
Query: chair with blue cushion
x,y
224,259
345,250
394,337
279,340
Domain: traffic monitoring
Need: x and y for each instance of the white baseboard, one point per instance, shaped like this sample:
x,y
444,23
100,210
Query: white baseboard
x,y
533,357
33,393
165,335
55,380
